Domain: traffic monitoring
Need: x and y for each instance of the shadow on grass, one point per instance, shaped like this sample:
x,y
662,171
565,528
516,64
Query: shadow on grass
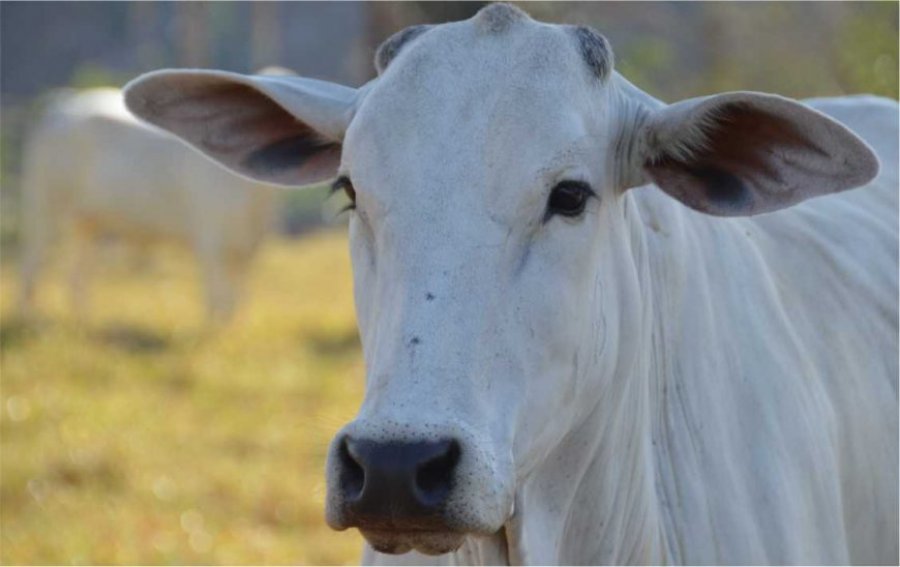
x,y
333,344
85,468
15,332
133,339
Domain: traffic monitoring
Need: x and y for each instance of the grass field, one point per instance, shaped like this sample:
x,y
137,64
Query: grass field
x,y
136,438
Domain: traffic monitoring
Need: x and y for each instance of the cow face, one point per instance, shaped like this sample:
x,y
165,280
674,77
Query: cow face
x,y
497,258
482,217
484,210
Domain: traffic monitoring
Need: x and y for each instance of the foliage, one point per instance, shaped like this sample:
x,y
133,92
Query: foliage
x,y
91,75
805,49
139,438
867,49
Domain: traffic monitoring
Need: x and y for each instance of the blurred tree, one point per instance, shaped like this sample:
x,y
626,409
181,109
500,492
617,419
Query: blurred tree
x,y
676,50
386,18
192,20
775,47
865,50
91,75
143,25
439,12
265,34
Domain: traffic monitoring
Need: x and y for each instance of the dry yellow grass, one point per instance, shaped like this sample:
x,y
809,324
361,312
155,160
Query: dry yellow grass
x,y
137,439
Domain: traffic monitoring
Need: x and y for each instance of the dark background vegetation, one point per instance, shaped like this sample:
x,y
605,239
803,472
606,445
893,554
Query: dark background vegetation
x,y
672,50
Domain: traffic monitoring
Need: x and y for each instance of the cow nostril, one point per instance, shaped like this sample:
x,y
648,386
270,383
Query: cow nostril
x,y
434,477
353,476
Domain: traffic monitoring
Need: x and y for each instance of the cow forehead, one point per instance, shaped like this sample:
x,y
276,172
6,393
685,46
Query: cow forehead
x,y
497,20
466,94
447,61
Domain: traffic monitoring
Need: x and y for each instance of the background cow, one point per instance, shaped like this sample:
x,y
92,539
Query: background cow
x,y
91,170
564,368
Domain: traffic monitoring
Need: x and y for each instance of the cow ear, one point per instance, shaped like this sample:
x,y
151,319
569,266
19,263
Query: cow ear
x,y
745,153
280,130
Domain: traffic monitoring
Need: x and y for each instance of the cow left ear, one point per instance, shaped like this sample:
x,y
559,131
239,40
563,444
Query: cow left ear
x,y
283,130
744,153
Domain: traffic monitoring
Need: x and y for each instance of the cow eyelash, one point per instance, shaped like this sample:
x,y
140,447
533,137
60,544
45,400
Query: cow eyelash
x,y
344,184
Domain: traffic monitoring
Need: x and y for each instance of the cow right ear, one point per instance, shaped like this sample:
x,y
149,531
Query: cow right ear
x,y
279,130
745,153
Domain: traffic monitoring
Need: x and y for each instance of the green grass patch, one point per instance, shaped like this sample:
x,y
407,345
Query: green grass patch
x,y
138,437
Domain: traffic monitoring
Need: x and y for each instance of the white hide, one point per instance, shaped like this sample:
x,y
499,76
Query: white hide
x,y
644,383
91,169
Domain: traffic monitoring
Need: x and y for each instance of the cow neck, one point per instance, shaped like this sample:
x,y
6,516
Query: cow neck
x,y
593,499
491,550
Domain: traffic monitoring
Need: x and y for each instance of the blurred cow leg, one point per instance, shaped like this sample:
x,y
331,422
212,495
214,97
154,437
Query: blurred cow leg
x,y
37,221
35,247
237,266
217,285
85,245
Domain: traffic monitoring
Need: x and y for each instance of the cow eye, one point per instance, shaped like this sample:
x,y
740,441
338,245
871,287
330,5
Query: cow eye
x,y
568,199
344,184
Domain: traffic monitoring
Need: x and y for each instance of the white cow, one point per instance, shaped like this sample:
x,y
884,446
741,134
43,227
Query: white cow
x,y
91,169
580,345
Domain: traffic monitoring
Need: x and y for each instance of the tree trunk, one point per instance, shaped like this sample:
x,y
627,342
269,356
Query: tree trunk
x,y
265,35
192,20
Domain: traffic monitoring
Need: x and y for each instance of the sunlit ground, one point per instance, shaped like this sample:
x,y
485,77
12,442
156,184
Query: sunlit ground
x,y
138,439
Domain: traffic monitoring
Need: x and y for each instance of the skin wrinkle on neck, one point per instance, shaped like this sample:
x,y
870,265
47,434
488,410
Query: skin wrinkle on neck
x,y
619,423
633,113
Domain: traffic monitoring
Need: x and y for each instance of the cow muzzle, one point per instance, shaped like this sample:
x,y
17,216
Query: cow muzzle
x,y
408,492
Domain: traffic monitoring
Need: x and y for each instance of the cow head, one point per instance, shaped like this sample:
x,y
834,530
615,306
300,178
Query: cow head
x,y
495,249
